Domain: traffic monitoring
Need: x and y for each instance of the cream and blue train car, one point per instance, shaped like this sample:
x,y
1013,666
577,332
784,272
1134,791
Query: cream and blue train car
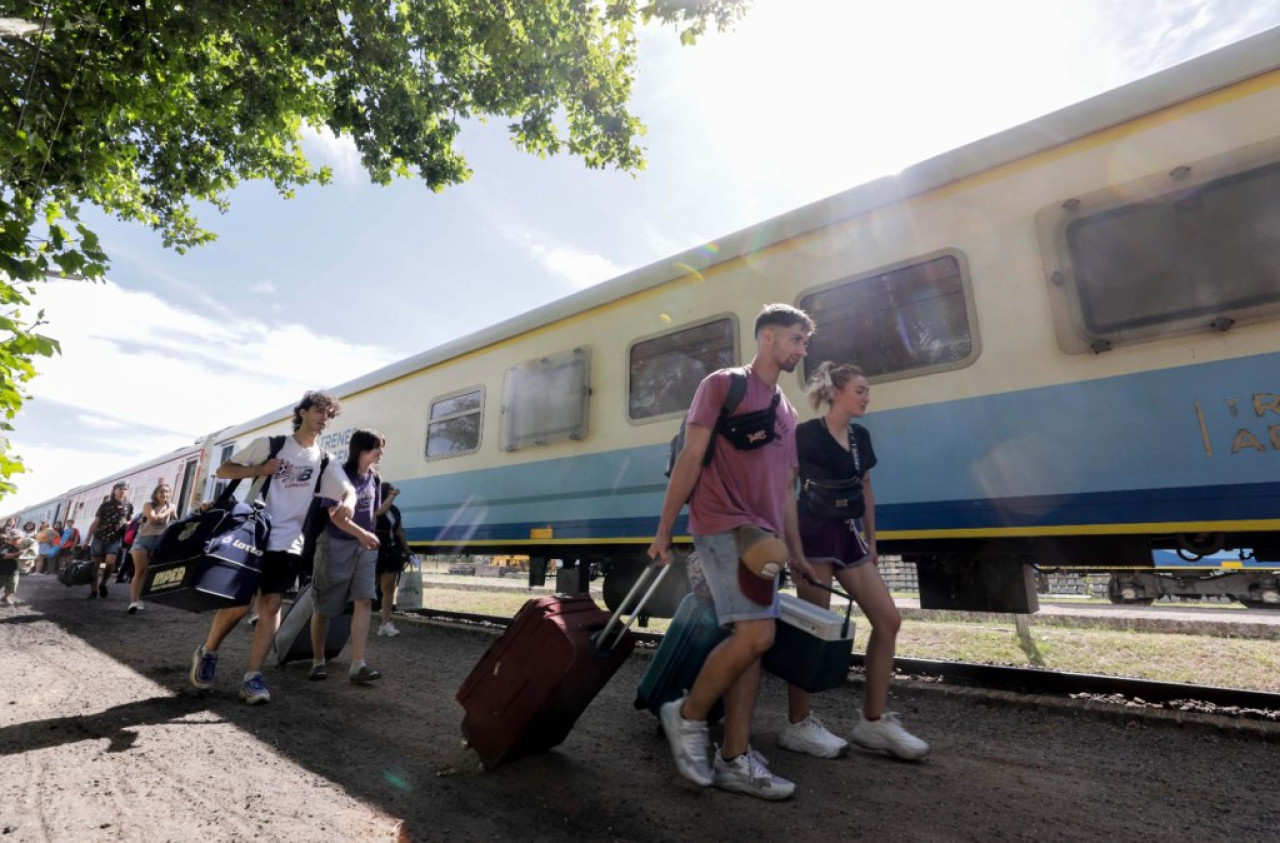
x,y
1072,328
179,469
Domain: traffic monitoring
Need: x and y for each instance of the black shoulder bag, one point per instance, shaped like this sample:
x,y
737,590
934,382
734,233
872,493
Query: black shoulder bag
x,y
841,499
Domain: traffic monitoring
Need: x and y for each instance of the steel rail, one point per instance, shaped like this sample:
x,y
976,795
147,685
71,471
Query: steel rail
x,y
1000,677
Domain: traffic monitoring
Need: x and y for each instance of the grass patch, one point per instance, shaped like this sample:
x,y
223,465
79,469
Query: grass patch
x,y
1196,659
1163,657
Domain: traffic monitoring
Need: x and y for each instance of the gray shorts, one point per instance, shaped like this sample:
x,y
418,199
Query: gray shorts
x,y
344,571
718,553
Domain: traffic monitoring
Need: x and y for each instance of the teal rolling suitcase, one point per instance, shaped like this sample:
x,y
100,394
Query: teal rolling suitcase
x,y
692,635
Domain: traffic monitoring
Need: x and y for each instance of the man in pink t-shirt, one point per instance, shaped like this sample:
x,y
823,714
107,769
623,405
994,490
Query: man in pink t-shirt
x,y
735,497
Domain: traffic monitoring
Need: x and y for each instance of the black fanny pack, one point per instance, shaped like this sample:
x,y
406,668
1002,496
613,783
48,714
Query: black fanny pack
x,y
752,430
834,500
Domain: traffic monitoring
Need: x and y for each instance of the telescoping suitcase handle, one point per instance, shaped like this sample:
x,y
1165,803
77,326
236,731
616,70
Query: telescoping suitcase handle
x,y
848,610
660,572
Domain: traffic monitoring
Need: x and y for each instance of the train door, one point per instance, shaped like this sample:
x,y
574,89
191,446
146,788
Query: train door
x,y
185,485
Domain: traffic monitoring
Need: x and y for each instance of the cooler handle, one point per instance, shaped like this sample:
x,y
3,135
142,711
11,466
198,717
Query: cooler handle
x,y
844,630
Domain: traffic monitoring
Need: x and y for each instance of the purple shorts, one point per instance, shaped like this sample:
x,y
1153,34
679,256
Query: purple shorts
x,y
834,541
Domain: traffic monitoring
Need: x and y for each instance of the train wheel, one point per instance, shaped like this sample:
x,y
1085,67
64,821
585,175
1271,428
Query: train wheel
x,y
1115,593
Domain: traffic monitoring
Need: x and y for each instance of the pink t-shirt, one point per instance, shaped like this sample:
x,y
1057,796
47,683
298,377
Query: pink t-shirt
x,y
742,487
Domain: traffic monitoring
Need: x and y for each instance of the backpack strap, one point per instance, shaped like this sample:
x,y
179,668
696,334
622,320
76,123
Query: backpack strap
x,y
274,444
324,463
737,391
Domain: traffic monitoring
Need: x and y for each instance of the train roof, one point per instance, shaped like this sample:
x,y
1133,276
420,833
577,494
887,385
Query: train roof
x,y
142,466
1196,77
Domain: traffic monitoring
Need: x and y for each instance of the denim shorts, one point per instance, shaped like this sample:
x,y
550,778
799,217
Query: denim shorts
x,y
98,548
147,543
718,553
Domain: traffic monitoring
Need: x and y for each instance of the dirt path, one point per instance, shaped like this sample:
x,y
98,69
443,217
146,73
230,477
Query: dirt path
x,y
101,739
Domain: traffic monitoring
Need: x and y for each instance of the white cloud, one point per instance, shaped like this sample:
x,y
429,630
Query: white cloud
x,y
264,288
323,148
98,422
133,362
581,269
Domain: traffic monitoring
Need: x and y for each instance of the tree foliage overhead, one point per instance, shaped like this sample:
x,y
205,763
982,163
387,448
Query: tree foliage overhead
x,y
145,108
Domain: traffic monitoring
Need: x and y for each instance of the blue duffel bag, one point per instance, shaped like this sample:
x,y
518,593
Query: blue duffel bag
x,y
210,559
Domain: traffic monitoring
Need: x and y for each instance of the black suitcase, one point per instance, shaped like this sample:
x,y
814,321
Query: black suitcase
x,y
293,640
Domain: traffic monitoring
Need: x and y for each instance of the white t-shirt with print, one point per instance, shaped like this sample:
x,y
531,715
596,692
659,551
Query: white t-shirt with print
x,y
293,486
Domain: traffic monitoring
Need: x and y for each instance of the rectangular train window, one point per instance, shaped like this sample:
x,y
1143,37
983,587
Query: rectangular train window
x,y
901,322
1202,256
545,400
663,372
453,426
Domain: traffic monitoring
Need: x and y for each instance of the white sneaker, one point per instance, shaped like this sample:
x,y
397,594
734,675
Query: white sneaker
x,y
135,607
887,735
812,738
388,630
748,774
689,743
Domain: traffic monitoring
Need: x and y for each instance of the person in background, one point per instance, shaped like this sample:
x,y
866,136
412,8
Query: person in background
x,y
48,535
106,533
393,550
124,571
346,559
10,553
67,545
157,514
836,508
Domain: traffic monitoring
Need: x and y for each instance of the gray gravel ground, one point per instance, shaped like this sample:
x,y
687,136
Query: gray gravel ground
x,y
102,739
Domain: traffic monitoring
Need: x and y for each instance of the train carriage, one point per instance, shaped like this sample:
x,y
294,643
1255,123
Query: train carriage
x,y
1071,328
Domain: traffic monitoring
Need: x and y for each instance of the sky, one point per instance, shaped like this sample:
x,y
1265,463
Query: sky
x,y
801,100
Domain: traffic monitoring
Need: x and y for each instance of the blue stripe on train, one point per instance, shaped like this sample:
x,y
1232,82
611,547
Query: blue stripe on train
x,y
1258,501
1120,450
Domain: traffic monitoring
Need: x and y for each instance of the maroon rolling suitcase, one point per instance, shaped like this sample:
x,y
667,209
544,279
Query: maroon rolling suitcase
x,y
532,684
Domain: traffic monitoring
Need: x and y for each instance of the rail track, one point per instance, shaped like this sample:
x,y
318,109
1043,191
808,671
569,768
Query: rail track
x,y
1234,702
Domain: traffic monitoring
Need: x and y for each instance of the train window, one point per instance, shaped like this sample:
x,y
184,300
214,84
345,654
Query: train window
x,y
1191,254
664,372
454,424
899,322
545,400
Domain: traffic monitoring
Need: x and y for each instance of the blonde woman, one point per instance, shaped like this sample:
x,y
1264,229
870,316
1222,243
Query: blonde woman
x,y
836,511
157,514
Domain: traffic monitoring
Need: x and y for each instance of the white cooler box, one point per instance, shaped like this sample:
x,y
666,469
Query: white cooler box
x,y
812,648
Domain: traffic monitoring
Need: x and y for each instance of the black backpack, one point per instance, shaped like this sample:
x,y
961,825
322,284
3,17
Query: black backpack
x,y
737,389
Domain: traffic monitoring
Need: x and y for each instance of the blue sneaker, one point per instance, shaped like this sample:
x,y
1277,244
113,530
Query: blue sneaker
x,y
204,668
254,690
